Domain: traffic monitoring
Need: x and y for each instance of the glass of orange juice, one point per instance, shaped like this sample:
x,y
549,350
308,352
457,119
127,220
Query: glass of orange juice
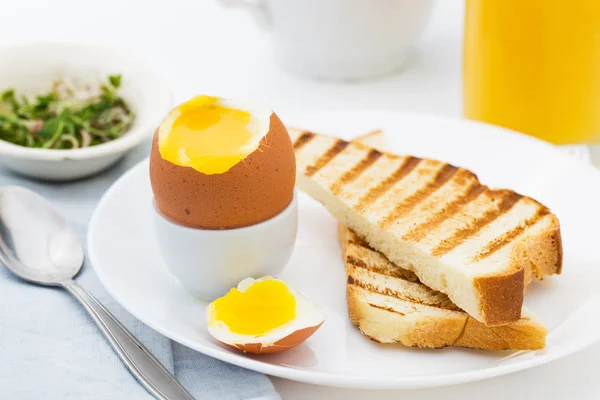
x,y
534,66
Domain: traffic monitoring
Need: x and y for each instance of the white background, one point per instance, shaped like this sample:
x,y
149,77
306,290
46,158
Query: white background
x,y
201,48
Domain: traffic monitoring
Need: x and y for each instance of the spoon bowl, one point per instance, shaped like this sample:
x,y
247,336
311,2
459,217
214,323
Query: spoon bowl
x,y
36,242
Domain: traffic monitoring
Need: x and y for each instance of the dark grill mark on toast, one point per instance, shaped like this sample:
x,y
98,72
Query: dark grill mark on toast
x,y
358,242
372,195
337,147
386,309
353,173
399,273
304,138
509,236
450,209
507,200
356,262
437,299
443,175
354,239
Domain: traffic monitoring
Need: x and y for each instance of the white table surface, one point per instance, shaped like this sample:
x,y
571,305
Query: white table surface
x,y
201,48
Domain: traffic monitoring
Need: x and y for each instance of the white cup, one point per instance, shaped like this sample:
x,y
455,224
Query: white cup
x,y
341,39
210,262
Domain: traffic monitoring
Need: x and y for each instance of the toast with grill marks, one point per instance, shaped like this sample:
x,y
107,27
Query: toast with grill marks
x,y
479,246
390,305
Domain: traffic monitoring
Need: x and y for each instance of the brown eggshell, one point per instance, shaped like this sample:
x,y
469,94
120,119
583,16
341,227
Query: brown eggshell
x,y
254,190
291,340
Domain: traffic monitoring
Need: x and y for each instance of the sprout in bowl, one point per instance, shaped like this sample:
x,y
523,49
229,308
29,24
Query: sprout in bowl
x,y
70,115
64,114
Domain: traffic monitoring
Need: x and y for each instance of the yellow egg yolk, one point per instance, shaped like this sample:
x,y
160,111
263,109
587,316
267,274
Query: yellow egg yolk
x,y
264,306
207,136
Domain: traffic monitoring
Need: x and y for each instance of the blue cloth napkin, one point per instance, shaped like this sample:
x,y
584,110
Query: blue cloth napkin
x,y
51,349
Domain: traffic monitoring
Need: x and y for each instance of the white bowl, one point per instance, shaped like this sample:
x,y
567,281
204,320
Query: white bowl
x,y
210,262
31,68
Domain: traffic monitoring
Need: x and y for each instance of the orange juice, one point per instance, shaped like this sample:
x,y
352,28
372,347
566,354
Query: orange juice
x,y
534,66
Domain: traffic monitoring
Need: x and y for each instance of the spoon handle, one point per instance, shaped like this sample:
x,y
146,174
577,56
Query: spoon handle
x,y
157,380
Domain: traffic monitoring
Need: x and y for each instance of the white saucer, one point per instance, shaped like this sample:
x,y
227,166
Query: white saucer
x,y
123,251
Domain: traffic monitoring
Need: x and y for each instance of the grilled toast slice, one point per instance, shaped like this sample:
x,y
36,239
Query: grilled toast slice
x,y
477,245
390,305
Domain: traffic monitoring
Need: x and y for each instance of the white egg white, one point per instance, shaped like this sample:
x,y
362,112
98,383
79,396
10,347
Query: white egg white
x,y
308,314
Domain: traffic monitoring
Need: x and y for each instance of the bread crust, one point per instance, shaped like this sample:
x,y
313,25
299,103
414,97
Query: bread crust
x,y
540,255
500,297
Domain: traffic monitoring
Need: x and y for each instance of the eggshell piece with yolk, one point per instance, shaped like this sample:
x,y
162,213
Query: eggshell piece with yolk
x,y
254,190
233,319
291,340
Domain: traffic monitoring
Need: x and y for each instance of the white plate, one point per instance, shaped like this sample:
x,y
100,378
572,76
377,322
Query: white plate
x,y
123,250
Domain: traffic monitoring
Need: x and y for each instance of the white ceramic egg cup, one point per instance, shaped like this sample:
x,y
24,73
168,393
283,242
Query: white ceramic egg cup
x,y
208,263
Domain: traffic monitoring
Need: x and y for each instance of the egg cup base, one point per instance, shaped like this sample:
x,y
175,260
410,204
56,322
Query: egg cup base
x,y
208,263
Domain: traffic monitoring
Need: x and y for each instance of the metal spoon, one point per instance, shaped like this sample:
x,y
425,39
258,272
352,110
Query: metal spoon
x,y
38,245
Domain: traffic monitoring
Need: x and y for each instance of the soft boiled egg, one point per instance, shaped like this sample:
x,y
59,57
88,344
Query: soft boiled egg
x,y
263,316
219,164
